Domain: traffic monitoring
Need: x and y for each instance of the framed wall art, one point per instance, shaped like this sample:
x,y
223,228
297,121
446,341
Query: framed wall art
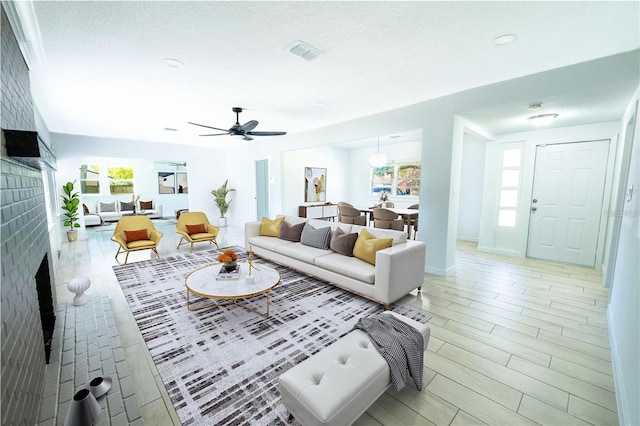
x,y
166,183
315,184
181,183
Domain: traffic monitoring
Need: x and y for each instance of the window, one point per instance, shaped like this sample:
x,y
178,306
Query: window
x,y
120,180
90,179
509,187
402,179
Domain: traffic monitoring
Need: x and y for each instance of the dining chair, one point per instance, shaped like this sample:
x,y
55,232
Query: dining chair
x,y
342,203
386,219
348,214
414,220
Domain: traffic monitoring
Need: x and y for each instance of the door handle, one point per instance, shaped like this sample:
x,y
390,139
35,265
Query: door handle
x,y
535,200
534,208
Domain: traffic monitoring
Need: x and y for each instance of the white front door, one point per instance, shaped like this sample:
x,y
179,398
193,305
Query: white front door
x,y
566,206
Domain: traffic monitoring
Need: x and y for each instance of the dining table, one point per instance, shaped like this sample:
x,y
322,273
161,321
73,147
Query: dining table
x,y
407,215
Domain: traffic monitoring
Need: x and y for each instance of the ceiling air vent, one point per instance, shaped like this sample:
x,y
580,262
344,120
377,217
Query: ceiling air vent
x,y
302,49
27,148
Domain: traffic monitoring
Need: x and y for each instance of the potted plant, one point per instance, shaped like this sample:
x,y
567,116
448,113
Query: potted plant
x,y
220,196
71,201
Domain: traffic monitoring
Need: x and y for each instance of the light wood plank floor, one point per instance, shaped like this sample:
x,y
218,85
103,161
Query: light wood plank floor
x,y
513,341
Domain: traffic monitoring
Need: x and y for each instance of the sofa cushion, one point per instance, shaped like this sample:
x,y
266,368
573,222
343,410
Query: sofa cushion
x,y
267,243
348,266
343,243
366,246
399,237
302,252
108,207
198,228
271,228
291,232
146,205
126,207
136,235
313,237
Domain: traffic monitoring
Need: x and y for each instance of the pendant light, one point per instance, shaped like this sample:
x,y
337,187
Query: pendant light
x,y
378,159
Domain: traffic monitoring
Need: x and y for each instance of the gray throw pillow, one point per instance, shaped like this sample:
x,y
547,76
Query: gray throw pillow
x,y
291,232
107,207
343,243
316,237
126,207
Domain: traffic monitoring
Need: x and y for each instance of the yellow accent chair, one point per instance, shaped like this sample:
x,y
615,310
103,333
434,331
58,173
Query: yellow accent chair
x,y
135,233
386,219
196,228
351,215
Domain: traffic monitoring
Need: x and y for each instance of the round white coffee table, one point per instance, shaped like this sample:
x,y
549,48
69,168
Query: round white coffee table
x,y
202,282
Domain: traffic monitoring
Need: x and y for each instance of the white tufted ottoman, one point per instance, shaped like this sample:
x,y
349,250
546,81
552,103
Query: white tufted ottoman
x,y
336,385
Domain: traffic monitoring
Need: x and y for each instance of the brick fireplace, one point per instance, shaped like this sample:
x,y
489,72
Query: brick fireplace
x,y
26,253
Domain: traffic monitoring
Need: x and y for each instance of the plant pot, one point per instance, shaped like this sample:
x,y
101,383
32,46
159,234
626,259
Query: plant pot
x,y
222,222
231,266
72,235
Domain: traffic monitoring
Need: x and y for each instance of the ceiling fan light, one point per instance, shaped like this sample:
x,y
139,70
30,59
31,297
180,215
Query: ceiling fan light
x,y
377,159
542,119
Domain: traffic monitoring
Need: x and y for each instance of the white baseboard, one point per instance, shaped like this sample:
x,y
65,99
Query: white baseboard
x,y
500,251
467,238
618,377
441,272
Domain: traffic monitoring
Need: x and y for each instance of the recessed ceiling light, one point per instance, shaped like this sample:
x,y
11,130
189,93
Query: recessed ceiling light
x,y
505,39
318,104
542,119
535,106
174,63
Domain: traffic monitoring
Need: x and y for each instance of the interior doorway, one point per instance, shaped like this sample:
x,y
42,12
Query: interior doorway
x,y
262,189
566,202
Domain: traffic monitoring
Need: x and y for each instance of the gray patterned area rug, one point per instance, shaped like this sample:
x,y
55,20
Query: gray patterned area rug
x,y
221,365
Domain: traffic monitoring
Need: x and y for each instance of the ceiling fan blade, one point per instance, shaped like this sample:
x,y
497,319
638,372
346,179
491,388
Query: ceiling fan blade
x,y
247,138
216,134
266,133
249,125
208,127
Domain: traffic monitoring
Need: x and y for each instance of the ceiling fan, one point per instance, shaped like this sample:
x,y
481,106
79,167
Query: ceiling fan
x,y
245,130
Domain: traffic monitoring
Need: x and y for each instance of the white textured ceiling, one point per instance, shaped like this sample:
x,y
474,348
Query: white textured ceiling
x,y
104,72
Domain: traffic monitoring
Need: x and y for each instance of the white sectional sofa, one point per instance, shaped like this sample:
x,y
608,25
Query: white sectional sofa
x,y
111,211
398,269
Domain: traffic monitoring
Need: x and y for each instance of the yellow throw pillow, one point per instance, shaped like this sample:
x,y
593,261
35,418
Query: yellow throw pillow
x,y
366,246
271,228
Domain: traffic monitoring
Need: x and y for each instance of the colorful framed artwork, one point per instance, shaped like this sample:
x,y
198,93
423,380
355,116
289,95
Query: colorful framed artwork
x,y
315,184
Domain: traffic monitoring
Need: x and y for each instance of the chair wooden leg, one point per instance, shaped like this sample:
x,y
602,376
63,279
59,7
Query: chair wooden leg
x,y
191,251
290,419
126,258
156,252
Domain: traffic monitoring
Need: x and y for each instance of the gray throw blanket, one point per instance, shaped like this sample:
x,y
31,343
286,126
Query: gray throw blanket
x,y
399,344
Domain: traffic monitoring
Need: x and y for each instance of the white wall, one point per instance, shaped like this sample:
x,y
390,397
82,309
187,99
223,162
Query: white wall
x,y
471,187
513,241
206,169
438,214
624,302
